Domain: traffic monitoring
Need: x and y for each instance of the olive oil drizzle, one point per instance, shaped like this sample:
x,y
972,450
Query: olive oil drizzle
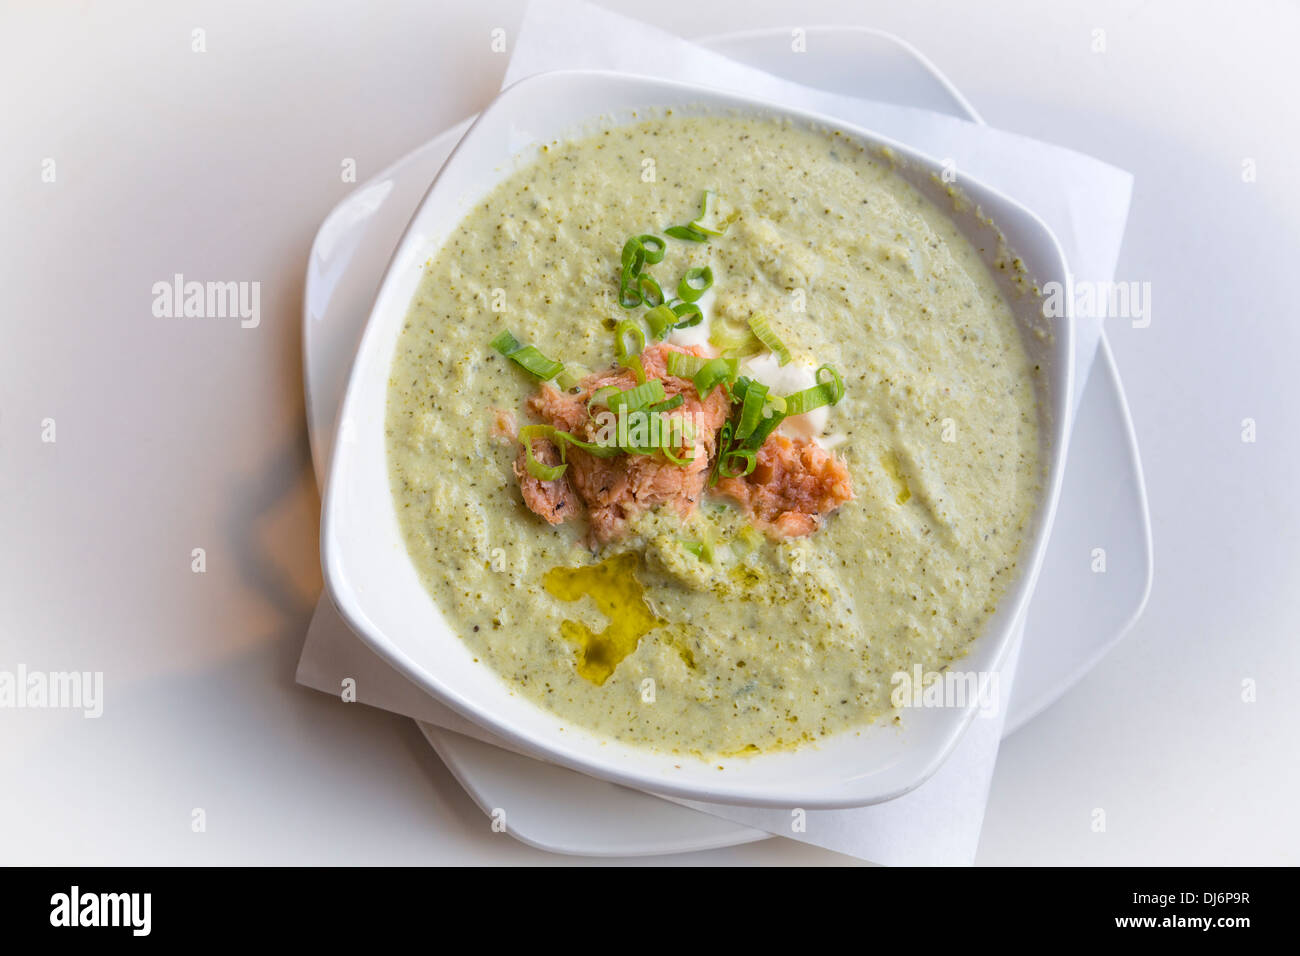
x,y
613,586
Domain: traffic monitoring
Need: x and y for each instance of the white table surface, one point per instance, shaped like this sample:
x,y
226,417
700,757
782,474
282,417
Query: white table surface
x,y
177,434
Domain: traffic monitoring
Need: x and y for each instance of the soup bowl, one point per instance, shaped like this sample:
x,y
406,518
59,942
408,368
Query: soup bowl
x,y
376,587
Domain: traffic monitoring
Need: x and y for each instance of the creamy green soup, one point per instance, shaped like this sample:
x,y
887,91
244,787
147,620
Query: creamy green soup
x,y
768,643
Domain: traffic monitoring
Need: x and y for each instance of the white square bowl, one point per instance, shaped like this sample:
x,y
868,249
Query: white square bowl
x,y
378,591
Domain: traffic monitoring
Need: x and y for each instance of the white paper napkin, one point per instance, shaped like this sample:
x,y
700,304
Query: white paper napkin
x,y
1084,201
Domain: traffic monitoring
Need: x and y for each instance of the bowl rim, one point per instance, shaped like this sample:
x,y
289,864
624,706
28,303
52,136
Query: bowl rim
x,y
543,744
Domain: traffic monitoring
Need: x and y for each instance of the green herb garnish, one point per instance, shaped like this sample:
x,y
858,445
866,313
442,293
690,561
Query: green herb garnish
x,y
762,329
694,284
527,357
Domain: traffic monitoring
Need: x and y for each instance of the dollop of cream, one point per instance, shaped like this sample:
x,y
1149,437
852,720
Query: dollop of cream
x,y
794,376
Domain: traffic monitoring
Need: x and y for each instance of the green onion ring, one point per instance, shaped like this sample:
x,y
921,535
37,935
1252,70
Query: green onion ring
x,y
762,329
686,234
751,409
637,397
760,434
651,294
667,406
600,451
661,320
628,296
653,248
540,471
745,454
731,339
688,315
680,462
506,343
836,382
714,372
689,289
724,443
622,331
823,393
684,364
634,364
571,375
600,397
526,356
710,221
633,257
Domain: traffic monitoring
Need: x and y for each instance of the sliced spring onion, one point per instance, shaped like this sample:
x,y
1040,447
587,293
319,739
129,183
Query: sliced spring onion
x,y
764,428
762,329
638,397
751,409
827,392
526,356
732,339
631,260
688,315
635,288
653,247
633,363
667,406
740,387
536,468
651,294
757,420
562,439
686,234
624,329
628,295
714,217
724,444
701,549
672,457
661,320
633,257
506,343
746,455
715,372
600,396
571,375
694,284
684,364
665,447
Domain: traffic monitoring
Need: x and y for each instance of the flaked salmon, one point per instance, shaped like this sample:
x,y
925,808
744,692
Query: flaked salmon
x,y
793,486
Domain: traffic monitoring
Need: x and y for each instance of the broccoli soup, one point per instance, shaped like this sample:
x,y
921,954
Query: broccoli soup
x,y
700,430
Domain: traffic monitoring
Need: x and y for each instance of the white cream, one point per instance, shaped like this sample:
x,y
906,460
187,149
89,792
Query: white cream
x,y
795,376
